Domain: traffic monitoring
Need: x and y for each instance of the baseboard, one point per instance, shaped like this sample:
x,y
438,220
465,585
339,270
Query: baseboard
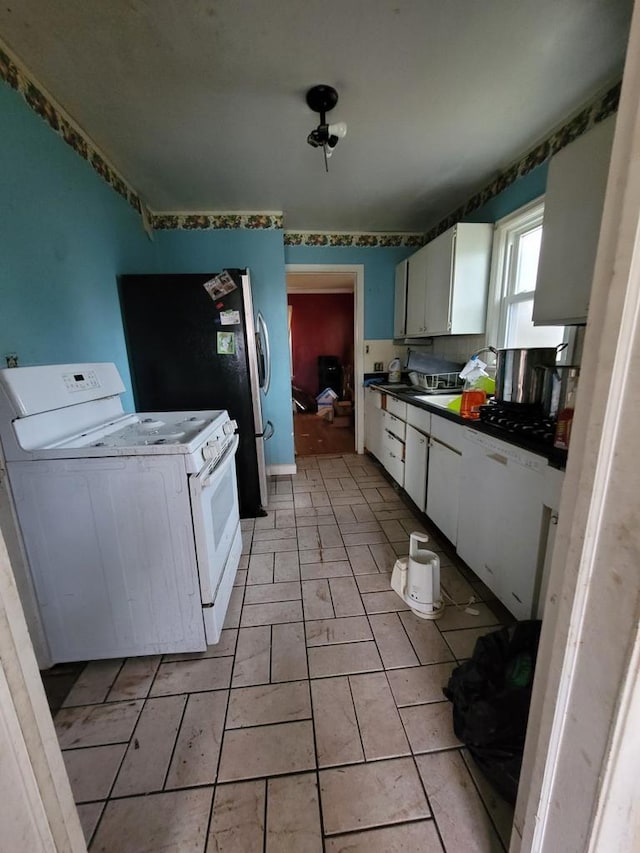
x,y
281,470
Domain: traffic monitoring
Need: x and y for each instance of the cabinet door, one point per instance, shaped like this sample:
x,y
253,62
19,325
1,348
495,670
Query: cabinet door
x,y
470,278
415,469
400,302
416,293
572,212
373,422
438,297
393,456
443,487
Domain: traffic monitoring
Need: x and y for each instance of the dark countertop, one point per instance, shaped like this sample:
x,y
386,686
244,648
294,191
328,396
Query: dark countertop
x,y
556,458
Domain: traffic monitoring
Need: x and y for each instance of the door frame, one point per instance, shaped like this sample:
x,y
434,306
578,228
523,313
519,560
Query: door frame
x,y
358,332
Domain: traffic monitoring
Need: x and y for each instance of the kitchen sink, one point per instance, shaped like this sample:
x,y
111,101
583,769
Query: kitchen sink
x,y
441,400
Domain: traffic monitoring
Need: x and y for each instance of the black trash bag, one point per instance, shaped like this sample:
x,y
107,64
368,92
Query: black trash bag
x,y
491,694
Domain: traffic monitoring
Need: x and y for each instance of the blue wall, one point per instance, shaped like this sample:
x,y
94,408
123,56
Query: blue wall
x,y
64,236
262,252
379,279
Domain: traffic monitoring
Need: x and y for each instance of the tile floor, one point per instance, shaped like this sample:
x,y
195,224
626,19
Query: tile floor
x,y
318,721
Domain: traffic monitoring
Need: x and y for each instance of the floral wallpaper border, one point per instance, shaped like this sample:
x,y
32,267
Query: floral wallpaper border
x,y
598,110
19,80
16,77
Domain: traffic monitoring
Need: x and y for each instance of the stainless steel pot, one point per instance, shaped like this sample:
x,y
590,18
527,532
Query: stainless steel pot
x,y
519,379
558,381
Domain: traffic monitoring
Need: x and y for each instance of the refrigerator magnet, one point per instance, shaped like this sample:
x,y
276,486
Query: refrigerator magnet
x,y
226,343
230,318
219,285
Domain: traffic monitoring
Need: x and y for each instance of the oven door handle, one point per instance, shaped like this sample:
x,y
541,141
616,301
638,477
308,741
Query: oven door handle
x,y
206,477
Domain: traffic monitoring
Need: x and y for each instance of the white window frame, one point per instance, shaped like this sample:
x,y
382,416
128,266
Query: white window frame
x,y
506,231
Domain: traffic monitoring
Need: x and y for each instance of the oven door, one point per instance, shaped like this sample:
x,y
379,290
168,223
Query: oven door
x,y
216,517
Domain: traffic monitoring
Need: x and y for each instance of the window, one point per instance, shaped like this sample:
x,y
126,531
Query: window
x,y
514,271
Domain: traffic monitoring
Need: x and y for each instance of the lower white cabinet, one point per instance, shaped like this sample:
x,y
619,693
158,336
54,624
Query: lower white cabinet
x,y
373,422
416,455
500,518
393,456
443,483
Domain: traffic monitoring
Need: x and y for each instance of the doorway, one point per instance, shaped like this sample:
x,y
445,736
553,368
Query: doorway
x,y
326,350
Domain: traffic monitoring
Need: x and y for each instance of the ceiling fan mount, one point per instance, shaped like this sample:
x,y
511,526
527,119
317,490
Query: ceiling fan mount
x,y
321,99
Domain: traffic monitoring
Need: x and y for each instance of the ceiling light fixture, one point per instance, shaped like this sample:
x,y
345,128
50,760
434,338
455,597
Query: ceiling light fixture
x,y
321,99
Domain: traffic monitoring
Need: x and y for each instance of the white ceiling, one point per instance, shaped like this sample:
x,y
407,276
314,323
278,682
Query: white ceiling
x,y
201,103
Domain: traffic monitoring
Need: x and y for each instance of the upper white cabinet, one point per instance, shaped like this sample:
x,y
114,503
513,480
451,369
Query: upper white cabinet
x,y
573,205
400,302
447,283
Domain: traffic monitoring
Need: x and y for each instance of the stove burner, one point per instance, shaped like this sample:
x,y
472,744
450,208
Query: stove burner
x,y
168,439
193,421
150,423
100,444
528,421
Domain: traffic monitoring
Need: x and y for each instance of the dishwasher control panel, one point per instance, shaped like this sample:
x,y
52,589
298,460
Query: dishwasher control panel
x,y
501,451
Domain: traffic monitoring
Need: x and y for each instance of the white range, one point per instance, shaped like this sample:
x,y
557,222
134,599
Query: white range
x,y
130,522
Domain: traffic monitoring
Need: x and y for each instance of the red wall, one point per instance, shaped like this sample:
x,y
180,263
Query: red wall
x,y
322,324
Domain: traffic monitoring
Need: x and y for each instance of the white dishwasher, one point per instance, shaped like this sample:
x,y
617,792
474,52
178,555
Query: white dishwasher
x,y
500,518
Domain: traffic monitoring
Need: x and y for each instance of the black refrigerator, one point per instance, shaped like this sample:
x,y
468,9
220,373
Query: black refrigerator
x,y
193,344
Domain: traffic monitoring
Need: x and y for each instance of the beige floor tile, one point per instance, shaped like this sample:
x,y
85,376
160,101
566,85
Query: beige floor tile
x,y
93,725
195,757
383,602
408,838
171,821
429,727
361,560
463,821
89,814
274,533
286,567
241,575
269,592
308,538
288,652
192,676
386,792
363,512
260,569
319,498
419,684
344,515
359,527
237,820
385,557
135,679
500,810
394,531
271,614
316,599
375,537
336,727
232,619
145,765
91,771
455,618
243,563
349,629
393,643
253,655
455,584
302,500
330,536
463,642
225,647
343,659
267,751
93,683
425,639
346,597
293,815
333,569
378,719
269,703
322,555
380,582
274,546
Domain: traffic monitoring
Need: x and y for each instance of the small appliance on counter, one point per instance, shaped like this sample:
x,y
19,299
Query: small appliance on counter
x,y
395,371
416,579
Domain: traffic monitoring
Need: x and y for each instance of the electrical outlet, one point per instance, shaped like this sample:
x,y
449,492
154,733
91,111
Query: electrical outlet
x,y
11,359
378,366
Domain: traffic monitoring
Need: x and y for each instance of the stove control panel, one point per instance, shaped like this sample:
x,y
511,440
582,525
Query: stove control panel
x,y
212,450
85,381
230,427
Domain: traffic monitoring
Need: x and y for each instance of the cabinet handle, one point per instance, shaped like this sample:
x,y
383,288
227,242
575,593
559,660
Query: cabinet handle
x,y
554,519
498,458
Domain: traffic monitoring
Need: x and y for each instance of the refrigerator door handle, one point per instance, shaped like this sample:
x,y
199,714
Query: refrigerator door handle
x,y
262,335
268,432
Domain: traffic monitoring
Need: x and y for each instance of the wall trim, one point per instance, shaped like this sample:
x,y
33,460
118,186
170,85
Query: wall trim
x,y
281,470
214,221
353,239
